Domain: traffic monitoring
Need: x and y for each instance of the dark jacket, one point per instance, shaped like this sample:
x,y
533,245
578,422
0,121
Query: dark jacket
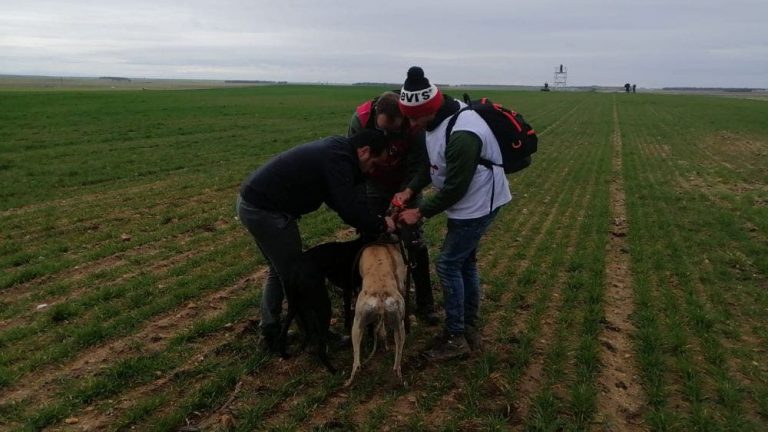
x,y
301,179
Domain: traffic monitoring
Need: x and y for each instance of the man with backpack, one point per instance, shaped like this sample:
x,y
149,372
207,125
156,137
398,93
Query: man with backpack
x,y
470,193
296,182
405,157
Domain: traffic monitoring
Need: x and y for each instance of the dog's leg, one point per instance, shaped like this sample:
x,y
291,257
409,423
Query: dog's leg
x,y
322,352
357,336
322,349
283,340
399,333
323,313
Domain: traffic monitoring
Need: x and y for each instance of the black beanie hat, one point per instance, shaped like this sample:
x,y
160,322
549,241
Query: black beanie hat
x,y
416,79
418,97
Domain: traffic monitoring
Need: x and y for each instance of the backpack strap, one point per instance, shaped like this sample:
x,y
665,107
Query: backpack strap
x,y
449,129
484,162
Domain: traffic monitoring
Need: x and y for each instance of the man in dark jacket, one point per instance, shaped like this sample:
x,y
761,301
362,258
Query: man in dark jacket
x,y
329,171
405,157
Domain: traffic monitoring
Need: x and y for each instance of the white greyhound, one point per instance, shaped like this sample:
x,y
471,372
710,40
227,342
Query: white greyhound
x,y
380,301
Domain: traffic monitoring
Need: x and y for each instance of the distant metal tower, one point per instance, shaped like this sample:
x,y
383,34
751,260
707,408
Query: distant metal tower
x,y
561,76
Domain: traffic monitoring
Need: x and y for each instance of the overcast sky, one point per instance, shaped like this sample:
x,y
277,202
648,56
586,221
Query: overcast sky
x,y
654,43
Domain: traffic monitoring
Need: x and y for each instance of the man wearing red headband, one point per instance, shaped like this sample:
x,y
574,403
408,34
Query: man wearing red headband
x,y
405,156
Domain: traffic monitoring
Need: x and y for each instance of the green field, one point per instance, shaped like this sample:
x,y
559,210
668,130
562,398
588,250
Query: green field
x,y
625,286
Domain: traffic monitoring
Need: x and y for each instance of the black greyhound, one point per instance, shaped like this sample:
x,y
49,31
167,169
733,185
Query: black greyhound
x,y
307,294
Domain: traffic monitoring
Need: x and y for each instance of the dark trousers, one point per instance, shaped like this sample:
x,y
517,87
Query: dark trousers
x,y
277,237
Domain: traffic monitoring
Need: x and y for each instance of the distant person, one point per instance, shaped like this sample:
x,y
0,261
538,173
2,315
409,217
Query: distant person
x,y
626,87
634,88
396,172
468,193
297,182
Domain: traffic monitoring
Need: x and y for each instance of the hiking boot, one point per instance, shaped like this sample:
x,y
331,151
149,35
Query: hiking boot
x,y
270,337
474,338
428,317
454,346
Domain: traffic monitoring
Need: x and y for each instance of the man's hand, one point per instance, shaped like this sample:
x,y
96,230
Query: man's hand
x,y
410,216
391,226
400,199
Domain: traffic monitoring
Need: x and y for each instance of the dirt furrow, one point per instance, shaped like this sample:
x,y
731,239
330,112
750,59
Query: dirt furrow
x,y
620,396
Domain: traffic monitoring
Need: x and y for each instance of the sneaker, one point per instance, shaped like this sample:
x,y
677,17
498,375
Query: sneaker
x,y
474,338
454,346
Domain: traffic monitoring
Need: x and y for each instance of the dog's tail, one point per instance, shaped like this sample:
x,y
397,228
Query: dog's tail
x,y
387,308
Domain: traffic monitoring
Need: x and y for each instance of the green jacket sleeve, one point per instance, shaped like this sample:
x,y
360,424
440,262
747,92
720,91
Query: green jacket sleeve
x,y
354,125
462,155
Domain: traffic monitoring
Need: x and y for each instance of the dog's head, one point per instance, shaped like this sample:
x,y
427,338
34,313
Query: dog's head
x,y
386,237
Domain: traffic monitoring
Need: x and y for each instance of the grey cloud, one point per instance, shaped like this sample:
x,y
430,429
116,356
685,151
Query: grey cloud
x,y
654,43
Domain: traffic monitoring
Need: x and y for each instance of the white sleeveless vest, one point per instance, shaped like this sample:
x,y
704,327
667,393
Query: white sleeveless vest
x,y
477,201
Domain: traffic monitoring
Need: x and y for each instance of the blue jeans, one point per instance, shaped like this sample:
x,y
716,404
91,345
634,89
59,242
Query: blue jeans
x,y
457,269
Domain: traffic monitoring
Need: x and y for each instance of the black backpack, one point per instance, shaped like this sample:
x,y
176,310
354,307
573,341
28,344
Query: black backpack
x,y
517,139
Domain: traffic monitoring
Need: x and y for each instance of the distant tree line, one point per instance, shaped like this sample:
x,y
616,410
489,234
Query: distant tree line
x,y
380,84
115,78
254,82
725,89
